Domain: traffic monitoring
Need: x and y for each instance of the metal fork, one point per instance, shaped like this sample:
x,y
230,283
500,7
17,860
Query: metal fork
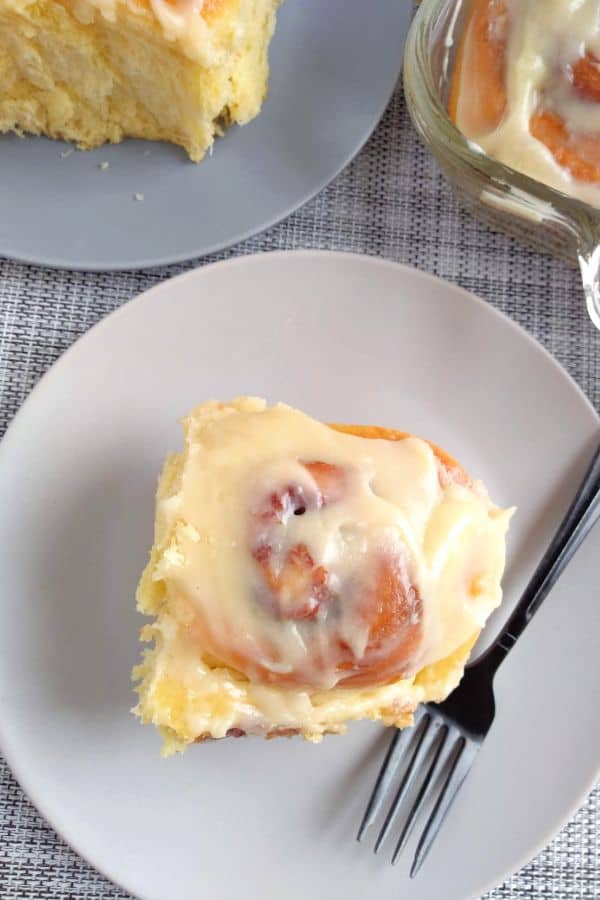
x,y
437,752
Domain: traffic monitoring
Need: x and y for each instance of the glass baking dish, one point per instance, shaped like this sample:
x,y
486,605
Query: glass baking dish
x,y
504,199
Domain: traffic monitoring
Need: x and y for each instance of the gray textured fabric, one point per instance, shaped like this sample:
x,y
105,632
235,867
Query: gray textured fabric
x,y
390,202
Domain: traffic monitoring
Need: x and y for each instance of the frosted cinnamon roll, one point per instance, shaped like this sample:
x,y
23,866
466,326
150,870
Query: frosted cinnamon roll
x,y
526,89
304,575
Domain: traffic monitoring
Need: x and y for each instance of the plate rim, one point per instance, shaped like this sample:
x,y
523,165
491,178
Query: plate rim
x,y
130,307
261,256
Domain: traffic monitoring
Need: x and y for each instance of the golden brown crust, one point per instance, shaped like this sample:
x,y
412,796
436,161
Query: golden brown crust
x,y
377,432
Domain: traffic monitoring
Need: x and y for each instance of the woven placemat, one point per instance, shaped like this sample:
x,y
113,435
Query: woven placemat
x,y
390,202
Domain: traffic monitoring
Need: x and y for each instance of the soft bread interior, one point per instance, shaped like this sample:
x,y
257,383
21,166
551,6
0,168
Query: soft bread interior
x,y
68,71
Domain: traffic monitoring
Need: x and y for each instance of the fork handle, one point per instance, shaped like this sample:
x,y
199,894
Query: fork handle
x,y
581,516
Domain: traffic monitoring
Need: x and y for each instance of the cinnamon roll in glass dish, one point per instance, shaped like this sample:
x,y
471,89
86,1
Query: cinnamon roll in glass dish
x,y
526,89
304,575
506,95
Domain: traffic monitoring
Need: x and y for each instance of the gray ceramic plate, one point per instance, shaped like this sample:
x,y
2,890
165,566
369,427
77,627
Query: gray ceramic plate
x,y
333,68
277,820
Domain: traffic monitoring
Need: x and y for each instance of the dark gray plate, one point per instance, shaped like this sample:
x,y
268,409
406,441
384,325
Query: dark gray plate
x,y
333,67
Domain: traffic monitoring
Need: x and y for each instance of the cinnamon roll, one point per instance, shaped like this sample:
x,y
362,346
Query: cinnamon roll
x,y
304,575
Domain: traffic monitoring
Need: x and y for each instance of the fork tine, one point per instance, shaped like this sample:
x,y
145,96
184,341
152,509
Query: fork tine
x,y
454,779
439,739
386,775
419,748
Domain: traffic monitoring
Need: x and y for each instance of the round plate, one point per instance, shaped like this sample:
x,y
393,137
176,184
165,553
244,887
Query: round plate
x,y
347,339
333,69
